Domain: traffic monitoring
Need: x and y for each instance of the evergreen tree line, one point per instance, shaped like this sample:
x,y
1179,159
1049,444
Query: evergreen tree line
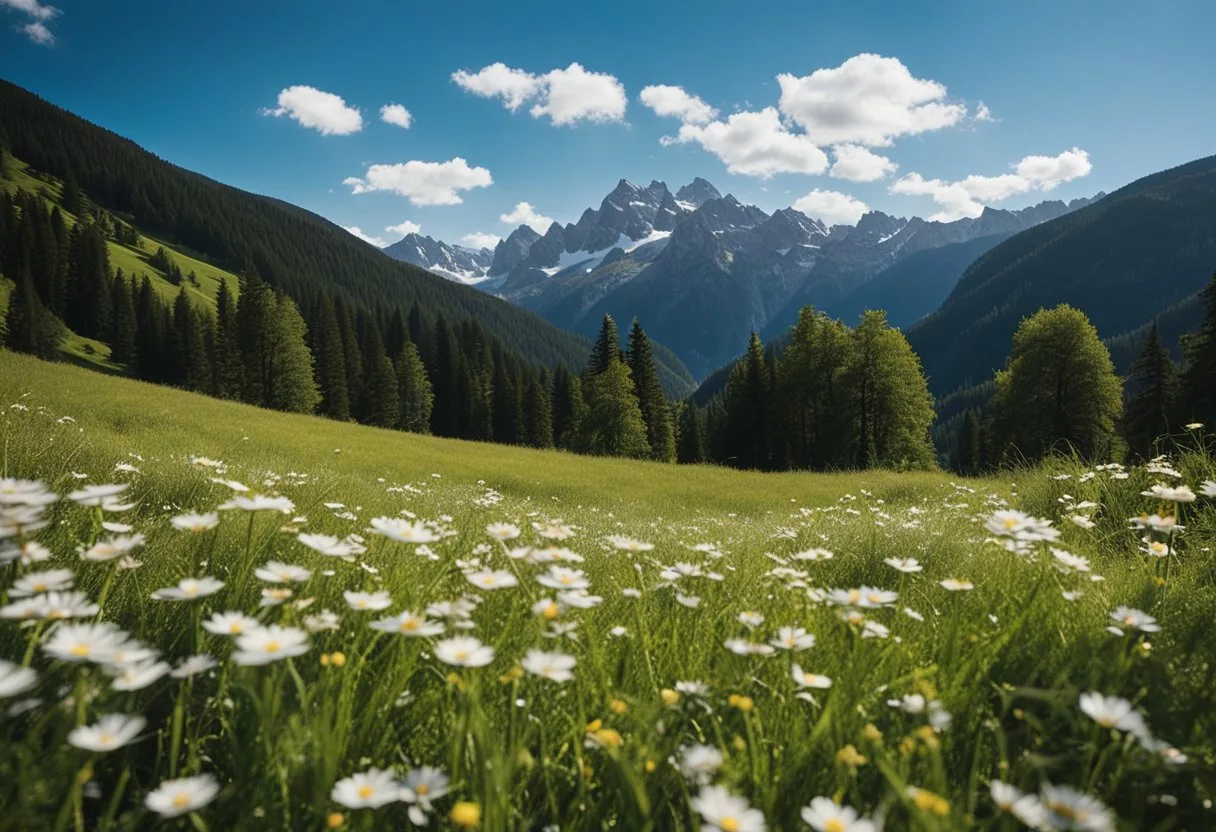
x,y
832,397
1059,393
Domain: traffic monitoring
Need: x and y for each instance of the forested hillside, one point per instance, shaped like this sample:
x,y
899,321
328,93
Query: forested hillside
x,y
1123,260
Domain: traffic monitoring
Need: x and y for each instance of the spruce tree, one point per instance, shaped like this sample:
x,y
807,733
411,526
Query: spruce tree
x,y
748,405
660,432
290,383
607,348
416,397
445,418
538,411
191,367
122,342
227,370
351,354
1153,387
255,307
28,326
1198,380
331,363
969,455
692,439
381,394
614,424
507,404
72,199
149,333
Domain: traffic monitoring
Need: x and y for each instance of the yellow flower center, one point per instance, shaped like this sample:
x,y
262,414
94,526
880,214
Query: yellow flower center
x,y
181,800
834,825
273,647
729,824
874,599
551,611
566,579
80,650
41,587
466,815
1009,523
1129,620
422,790
1065,811
809,678
105,738
461,655
488,580
366,791
235,627
854,596
409,625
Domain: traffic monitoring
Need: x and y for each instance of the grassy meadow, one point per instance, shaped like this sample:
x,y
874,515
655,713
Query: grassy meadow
x,y
409,632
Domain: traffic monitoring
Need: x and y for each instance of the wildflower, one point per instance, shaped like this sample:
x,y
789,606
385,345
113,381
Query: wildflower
x,y
111,731
1162,525
556,667
955,585
872,629
560,577
15,679
1113,712
850,757
403,531
263,645
629,544
29,552
94,495
722,811
464,651
1081,521
927,801
698,763
194,665
502,531
690,601
196,522
905,565
913,614
1067,562
51,606
30,493
1024,807
259,502
1155,548
1020,527
138,675
178,797
812,554
422,786
793,638
743,703
492,579
1208,489
275,572
367,790
1135,619
826,815
322,621
275,595
38,582
374,601
751,619
229,623
408,624
743,647
579,599
115,547
804,679
1067,808
557,530
466,815
239,488
332,546
97,642
1165,493
188,589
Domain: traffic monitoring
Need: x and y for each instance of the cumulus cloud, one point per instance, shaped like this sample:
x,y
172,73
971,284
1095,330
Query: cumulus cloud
x,y
868,100
671,101
524,214
757,144
858,164
404,227
832,207
396,114
982,113
567,96
367,238
967,197
425,183
479,239
322,111
36,30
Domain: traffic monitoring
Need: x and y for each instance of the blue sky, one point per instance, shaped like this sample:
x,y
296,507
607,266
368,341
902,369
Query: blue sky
x,y
878,104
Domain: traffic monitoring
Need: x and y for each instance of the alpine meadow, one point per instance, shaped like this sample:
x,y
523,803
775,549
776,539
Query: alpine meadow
x,y
369,460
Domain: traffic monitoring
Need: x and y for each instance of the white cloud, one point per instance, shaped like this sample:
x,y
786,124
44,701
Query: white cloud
x,y
982,113
858,164
967,197
323,111
757,144
674,101
513,86
867,100
1049,171
36,30
367,238
832,207
479,239
396,114
425,183
524,214
566,96
404,227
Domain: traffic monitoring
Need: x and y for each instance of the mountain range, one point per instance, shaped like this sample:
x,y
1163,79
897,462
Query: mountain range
x,y
701,270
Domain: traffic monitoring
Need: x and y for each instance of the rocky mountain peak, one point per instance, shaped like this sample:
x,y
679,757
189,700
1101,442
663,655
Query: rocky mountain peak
x,y
697,193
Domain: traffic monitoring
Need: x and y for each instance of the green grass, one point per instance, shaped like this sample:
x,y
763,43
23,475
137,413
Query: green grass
x,y
1007,659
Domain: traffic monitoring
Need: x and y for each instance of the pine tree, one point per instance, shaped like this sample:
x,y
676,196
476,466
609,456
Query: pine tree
x,y
692,439
1153,386
561,404
72,199
507,404
748,410
660,433
255,307
290,383
1198,379
445,418
381,394
416,397
149,333
607,348
28,326
614,424
227,370
969,456
192,369
1058,390
538,412
331,363
351,354
122,343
